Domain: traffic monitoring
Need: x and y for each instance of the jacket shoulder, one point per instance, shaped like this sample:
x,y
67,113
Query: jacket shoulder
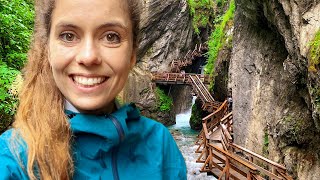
x,y
10,167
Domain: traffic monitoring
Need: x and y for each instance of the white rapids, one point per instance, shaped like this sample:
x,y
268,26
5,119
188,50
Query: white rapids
x,y
185,138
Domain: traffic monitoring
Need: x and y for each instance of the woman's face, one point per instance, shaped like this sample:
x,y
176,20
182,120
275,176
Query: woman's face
x,y
91,51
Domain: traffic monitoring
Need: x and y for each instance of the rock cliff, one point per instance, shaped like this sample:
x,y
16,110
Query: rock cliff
x,y
166,35
275,94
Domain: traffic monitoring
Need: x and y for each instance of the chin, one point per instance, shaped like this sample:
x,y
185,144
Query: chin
x,y
94,108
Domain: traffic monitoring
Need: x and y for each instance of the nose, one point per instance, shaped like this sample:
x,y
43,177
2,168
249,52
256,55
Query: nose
x,y
88,54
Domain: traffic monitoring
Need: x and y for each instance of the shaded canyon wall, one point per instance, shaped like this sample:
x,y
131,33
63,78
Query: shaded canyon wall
x,y
275,110
166,34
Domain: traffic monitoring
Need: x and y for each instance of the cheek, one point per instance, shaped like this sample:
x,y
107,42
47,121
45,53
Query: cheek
x,y
59,57
117,59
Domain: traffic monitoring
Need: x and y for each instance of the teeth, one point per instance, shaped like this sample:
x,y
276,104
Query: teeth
x,y
88,81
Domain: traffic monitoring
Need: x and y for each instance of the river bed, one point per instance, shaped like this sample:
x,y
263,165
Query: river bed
x,y
186,138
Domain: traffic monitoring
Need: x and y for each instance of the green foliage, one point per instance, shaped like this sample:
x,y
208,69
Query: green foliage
x,y
16,24
8,98
218,38
314,56
201,11
265,150
164,101
196,117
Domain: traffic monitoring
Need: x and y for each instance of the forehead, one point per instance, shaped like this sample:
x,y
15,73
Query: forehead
x,y
91,11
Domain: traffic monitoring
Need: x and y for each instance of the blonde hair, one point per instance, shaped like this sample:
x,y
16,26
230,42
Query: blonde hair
x,y
40,118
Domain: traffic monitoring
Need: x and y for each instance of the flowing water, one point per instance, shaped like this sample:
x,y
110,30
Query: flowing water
x,y
185,138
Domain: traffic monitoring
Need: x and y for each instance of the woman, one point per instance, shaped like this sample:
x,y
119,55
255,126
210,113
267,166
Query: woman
x,y
67,125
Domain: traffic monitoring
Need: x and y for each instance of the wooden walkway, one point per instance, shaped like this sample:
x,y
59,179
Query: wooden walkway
x,y
219,155
197,81
178,64
227,160
217,151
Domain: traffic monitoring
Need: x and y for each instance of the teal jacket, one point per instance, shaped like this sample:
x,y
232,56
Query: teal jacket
x,y
123,145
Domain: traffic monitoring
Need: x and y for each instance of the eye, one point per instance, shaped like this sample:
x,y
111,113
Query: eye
x,y
67,37
112,37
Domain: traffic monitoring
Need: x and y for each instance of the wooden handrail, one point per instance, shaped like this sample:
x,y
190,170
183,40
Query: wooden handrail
x,y
226,116
215,112
235,158
205,130
258,156
226,133
197,87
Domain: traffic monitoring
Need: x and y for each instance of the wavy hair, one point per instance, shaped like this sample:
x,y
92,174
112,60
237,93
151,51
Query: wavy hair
x,y
40,118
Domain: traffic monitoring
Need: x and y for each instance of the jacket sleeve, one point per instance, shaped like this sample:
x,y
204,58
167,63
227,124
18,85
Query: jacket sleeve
x,y
175,166
9,167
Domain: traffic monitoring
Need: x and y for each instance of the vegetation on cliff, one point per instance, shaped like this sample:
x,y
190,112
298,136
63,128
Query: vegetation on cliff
x,y
201,12
164,101
314,56
195,119
314,88
218,38
16,19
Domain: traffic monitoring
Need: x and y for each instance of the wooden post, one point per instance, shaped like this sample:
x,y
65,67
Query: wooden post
x,y
249,175
227,168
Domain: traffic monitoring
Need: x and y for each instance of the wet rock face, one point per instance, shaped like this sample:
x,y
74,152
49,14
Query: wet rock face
x,y
271,83
166,34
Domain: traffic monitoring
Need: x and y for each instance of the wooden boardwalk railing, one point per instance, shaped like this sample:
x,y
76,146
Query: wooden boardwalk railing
x,y
198,51
178,78
197,82
227,160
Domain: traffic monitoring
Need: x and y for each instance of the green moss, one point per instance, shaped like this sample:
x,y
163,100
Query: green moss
x,y
196,117
297,125
265,148
314,54
164,101
218,39
201,12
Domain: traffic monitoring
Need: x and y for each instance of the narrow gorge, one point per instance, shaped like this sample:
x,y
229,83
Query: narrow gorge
x,y
267,59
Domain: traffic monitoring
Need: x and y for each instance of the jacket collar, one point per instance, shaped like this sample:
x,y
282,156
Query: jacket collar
x,y
101,131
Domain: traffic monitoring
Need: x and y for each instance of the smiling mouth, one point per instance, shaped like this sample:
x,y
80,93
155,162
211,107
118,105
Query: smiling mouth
x,y
88,81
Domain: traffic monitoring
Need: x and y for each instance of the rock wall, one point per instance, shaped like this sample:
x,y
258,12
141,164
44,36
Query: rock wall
x,y
166,35
271,85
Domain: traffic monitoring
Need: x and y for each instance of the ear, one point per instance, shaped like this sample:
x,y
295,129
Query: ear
x,y
133,59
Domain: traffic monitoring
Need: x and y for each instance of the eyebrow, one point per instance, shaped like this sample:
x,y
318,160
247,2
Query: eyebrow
x,y
66,25
105,25
113,24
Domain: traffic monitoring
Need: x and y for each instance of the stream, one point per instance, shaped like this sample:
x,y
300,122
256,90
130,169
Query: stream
x,y
185,138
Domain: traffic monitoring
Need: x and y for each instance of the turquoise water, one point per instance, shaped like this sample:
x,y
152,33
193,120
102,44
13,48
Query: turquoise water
x,y
185,138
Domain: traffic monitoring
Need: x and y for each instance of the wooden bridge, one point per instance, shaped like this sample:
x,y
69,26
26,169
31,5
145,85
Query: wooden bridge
x,y
197,81
218,153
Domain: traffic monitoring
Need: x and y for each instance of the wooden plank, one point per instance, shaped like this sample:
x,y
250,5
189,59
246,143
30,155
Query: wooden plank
x,y
226,133
225,117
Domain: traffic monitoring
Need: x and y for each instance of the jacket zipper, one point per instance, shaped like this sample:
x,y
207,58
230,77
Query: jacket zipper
x,y
114,164
115,150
